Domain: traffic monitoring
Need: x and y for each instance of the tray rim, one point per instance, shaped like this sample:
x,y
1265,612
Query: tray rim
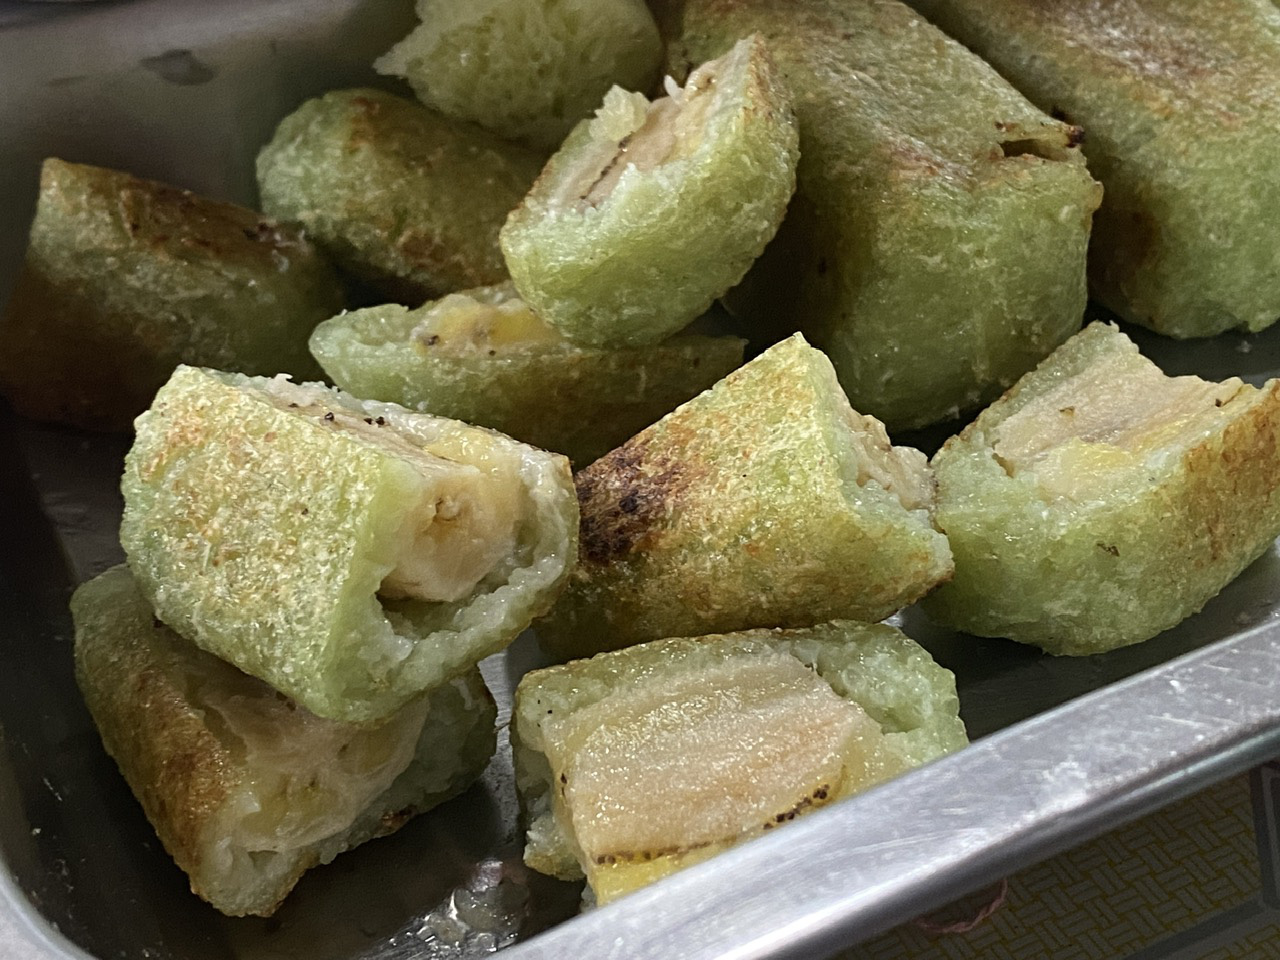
x,y
710,911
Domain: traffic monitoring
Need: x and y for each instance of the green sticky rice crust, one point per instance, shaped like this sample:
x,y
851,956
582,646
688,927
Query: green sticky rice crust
x,y
741,509
1178,104
1117,568
936,243
666,242
126,278
141,682
404,199
264,537
886,673
579,401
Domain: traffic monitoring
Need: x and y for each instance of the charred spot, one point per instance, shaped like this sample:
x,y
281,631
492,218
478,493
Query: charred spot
x,y
563,778
786,816
328,415
624,497
1075,135
369,421
380,421
432,340
1110,548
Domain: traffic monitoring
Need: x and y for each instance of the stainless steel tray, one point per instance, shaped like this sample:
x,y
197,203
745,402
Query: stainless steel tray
x,y
1065,748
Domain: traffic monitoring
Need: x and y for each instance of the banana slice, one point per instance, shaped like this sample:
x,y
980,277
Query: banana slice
x,y
464,516
744,732
652,210
350,553
1100,502
485,357
246,789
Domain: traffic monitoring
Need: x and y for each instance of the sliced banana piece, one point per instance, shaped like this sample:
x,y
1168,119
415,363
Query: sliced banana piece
x,y
1100,502
652,210
743,732
245,788
350,553
764,501
484,356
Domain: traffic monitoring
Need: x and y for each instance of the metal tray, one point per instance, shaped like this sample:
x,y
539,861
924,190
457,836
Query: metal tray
x,y
1065,748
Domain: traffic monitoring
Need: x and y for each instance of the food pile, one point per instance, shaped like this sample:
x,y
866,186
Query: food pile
x,y
566,266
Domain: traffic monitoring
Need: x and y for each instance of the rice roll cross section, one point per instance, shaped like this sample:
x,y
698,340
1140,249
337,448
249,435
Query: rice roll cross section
x,y
764,501
126,278
743,732
650,211
246,789
1178,101
352,554
935,248
525,69
403,199
1100,502
484,357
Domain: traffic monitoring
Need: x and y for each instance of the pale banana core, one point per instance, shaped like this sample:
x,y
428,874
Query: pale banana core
x,y
306,778
676,768
901,471
630,132
1114,415
465,516
482,320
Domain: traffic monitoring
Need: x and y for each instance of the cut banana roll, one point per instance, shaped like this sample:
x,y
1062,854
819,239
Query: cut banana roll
x,y
1100,502
743,732
350,553
525,69
404,199
650,211
245,789
484,357
935,248
1178,101
765,501
125,278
